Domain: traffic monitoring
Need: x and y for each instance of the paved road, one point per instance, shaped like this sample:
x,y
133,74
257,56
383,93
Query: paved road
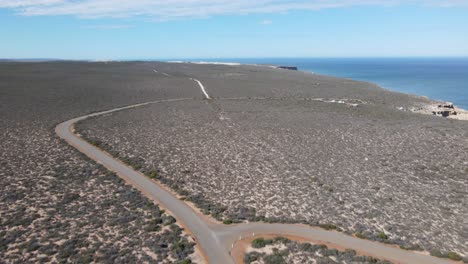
x,y
215,240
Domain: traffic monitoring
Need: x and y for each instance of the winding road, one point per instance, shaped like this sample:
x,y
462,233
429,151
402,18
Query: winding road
x,y
214,239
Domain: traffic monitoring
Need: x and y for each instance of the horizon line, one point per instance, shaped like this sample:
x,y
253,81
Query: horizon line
x,y
189,59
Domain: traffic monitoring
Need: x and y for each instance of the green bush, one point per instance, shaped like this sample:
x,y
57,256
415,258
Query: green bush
x,y
281,240
156,221
382,235
251,257
85,259
181,249
415,247
274,259
330,252
454,256
360,235
136,166
152,227
328,226
261,242
152,174
167,220
227,222
437,253
185,261
308,247
93,142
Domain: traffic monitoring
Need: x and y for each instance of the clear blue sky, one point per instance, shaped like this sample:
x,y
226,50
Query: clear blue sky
x,y
160,29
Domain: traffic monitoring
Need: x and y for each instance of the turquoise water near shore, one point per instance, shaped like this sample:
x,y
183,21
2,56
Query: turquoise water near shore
x,y
443,79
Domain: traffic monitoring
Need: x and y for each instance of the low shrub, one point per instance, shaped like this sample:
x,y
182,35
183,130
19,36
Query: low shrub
x,y
227,222
152,174
308,247
282,240
181,249
274,259
156,221
152,227
437,253
382,236
84,259
251,257
366,259
167,220
328,226
261,242
350,252
454,256
415,247
330,252
360,235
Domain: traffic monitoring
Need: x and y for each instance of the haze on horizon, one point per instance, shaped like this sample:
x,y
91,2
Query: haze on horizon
x,y
102,29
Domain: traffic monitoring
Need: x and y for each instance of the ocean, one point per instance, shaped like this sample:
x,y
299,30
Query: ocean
x,y
444,79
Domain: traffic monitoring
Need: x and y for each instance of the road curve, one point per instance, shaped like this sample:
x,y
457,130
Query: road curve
x,y
216,240
206,238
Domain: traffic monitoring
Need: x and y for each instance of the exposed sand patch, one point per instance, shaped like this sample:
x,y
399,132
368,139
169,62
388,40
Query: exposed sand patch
x,y
443,109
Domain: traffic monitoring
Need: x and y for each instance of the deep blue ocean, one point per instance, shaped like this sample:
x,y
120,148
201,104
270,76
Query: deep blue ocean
x,y
438,78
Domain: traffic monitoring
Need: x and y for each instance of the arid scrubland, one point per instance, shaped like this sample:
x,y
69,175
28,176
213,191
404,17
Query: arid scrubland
x,y
56,205
386,175
273,145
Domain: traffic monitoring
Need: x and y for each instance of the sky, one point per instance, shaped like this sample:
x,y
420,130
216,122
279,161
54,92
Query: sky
x,y
176,29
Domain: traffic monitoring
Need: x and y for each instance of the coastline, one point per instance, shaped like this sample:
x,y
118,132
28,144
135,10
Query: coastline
x,y
436,107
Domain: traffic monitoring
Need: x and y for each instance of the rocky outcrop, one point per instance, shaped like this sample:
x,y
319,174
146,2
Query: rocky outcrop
x,y
292,68
445,110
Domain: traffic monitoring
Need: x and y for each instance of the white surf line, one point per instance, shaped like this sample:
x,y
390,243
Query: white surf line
x,y
155,71
202,88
